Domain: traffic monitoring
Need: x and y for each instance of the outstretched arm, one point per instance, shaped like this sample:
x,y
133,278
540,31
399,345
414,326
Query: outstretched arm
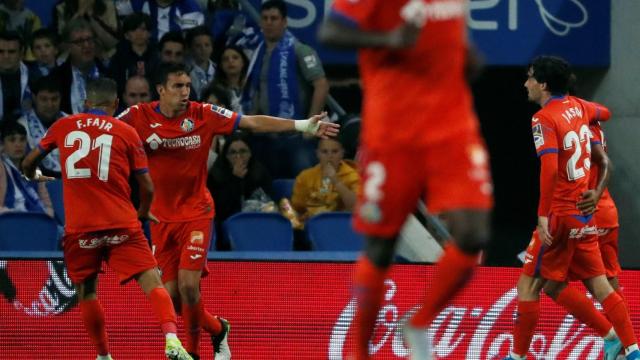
x,y
313,125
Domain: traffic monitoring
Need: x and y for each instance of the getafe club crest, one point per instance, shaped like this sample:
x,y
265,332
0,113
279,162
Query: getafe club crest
x,y
187,125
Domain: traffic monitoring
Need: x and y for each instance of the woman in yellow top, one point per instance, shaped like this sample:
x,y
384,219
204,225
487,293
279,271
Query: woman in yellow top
x,y
329,186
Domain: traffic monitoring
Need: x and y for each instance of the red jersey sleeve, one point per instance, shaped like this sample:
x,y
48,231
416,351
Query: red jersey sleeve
x,y
220,120
597,137
135,152
353,12
48,142
128,114
596,112
544,135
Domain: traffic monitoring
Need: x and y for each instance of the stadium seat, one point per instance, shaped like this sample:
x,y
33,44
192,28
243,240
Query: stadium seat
x,y
28,232
282,188
332,231
255,231
55,193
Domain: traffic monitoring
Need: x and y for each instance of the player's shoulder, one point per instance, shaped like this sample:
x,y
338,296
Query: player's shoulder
x,y
135,111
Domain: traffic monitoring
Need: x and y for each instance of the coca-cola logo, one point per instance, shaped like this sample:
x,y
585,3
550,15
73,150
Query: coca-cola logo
x,y
477,330
55,296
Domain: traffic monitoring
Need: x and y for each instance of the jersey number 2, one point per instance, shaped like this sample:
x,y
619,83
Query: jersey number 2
x,y
573,140
102,142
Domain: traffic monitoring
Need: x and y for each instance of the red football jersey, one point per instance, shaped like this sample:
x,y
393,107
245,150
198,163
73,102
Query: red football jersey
x,y
412,96
607,214
97,154
178,149
562,127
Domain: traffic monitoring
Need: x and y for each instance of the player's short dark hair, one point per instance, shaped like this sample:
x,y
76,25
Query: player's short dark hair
x,y
554,71
102,91
171,36
45,33
8,128
275,4
219,92
12,36
167,69
45,83
133,21
192,34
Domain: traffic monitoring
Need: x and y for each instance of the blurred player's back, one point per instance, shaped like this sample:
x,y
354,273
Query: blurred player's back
x,y
97,153
417,95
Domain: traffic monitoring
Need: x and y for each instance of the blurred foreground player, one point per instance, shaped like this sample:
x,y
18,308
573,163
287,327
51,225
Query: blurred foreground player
x,y
417,114
98,153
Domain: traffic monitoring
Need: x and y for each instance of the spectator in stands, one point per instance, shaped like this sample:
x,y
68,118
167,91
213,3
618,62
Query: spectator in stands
x,y
234,178
166,15
44,46
231,74
306,87
172,48
200,43
136,55
137,90
14,16
16,193
81,66
46,110
329,186
99,14
15,95
295,88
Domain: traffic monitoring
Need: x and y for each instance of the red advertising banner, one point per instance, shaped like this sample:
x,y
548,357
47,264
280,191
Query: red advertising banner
x,y
282,310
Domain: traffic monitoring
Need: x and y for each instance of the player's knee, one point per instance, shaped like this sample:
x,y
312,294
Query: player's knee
x,y
189,293
553,289
470,230
472,239
380,251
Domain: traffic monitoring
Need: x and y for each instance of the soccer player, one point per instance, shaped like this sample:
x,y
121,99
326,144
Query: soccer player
x,y
565,243
98,153
417,115
177,134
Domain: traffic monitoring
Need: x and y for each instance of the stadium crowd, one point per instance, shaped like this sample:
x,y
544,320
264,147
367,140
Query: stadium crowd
x,y
44,72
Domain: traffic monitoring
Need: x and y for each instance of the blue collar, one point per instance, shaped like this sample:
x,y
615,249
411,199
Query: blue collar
x,y
95,111
554,97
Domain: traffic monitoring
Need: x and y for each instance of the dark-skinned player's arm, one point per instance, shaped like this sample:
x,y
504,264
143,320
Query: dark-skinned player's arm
x,y
30,165
146,196
591,197
341,31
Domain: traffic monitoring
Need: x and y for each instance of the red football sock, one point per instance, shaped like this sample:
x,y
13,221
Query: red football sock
x,y
578,305
163,309
619,291
210,323
452,272
93,318
617,312
192,326
369,290
528,313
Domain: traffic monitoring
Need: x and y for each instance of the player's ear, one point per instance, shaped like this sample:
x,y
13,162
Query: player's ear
x,y
160,88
